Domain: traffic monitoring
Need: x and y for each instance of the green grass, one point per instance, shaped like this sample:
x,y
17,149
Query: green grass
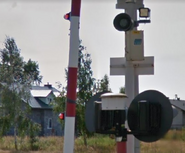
x,y
173,142
96,144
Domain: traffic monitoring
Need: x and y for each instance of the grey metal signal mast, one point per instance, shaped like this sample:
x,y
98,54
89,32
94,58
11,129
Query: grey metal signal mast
x,y
134,63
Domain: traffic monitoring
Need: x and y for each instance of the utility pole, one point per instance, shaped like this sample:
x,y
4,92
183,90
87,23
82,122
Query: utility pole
x,y
69,130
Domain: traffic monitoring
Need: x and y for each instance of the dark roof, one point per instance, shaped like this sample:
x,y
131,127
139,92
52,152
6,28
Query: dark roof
x,y
38,104
44,88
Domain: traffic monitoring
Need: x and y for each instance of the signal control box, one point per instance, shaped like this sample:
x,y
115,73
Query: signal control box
x,y
112,101
135,46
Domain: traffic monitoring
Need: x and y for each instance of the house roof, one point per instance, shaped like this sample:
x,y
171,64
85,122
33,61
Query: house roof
x,y
45,87
37,103
178,103
36,89
38,92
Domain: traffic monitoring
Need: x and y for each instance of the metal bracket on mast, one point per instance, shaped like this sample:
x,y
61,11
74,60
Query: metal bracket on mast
x,y
145,67
127,4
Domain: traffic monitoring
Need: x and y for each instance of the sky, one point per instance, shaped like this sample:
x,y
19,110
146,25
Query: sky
x,y
42,34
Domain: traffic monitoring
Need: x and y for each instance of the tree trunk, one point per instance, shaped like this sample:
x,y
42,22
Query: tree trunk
x,y
85,138
15,137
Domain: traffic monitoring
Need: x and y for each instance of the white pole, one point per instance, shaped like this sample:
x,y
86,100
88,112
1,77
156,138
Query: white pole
x,y
131,83
131,89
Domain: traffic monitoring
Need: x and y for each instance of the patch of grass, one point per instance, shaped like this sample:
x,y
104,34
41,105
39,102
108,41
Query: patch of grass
x,y
175,135
97,144
163,146
7,143
173,142
44,143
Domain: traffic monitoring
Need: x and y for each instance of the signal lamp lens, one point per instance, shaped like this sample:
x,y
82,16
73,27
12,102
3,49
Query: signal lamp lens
x,y
67,16
123,22
61,116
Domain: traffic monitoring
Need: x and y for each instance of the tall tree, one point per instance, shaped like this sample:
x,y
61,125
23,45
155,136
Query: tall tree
x,y
85,84
102,85
16,78
122,90
85,90
31,69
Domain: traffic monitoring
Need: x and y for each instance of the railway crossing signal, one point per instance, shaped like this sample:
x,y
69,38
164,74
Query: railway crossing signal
x,y
123,22
149,115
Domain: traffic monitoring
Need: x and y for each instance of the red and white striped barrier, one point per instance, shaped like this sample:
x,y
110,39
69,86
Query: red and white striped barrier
x,y
69,131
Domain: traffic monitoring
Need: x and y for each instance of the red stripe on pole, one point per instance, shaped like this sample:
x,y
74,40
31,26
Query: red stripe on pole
x,y
121,147
71,91
71,110
75,9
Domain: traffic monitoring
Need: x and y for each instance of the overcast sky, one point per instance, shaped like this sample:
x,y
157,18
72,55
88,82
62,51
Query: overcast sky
x,y
43,35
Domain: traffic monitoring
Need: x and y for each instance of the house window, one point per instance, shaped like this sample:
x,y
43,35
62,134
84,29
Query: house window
x,y
49,123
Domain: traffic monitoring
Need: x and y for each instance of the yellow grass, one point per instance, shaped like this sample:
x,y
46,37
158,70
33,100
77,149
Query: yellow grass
x,y
163,146
173,142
